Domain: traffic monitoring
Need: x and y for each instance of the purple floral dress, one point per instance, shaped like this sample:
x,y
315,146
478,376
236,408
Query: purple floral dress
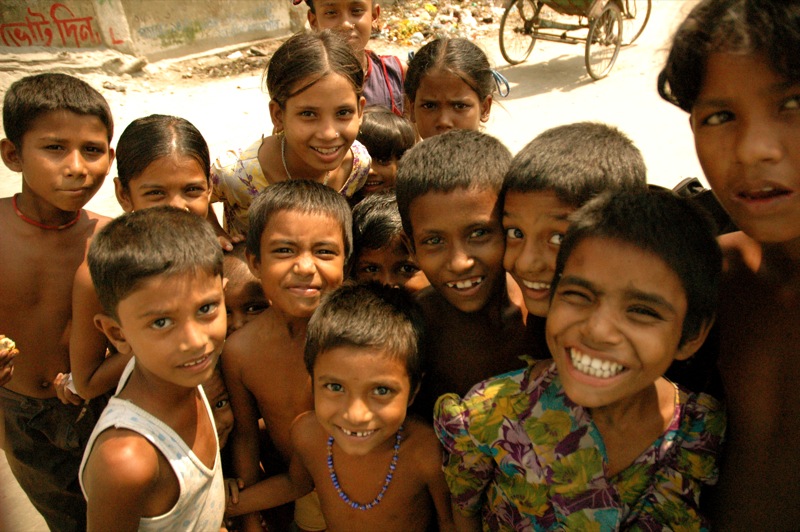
x,y
521,452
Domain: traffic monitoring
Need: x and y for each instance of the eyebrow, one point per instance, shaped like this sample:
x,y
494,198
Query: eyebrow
x,y
630,293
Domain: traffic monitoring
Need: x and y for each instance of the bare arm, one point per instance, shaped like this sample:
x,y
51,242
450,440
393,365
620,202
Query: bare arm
x,y
431,466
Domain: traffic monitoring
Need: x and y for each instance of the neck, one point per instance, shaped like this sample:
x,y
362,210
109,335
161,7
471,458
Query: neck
x,y
629,411
152,393
298,170
54,220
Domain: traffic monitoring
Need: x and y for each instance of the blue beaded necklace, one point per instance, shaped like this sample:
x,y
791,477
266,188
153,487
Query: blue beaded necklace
x,y
392,466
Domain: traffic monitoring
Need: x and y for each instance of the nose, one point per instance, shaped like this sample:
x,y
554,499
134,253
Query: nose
x,y
194,336
304,265
76,164
328,130
758,142
178,201
236,321
389,279
529,258
358,412
600,328
444,121
459,260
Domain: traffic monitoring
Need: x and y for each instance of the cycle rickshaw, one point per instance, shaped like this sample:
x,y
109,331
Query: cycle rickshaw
x,y
601,25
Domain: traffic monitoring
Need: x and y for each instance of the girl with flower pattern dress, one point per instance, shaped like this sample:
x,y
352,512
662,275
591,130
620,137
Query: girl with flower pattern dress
x,y
597,439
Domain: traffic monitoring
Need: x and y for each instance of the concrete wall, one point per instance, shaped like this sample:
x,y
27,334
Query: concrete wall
x,y
155,29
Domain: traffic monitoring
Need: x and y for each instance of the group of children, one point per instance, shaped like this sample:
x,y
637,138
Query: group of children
x,y
514,315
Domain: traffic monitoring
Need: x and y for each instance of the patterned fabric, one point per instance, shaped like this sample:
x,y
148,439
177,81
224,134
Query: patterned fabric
x,y
529,458
237,178
383,84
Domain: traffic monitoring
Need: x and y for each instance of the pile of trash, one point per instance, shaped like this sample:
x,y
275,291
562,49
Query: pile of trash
x,y
415,23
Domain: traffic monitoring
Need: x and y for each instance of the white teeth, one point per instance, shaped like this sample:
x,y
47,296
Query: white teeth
x,y
535,285
469,283
195,362
326,151
595,367
357,434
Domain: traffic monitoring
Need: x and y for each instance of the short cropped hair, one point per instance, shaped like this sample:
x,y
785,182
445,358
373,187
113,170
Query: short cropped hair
x,y
384,134
376,222
577,162
662,223
143,244
457,159
768,27
32,96
300,195
368,315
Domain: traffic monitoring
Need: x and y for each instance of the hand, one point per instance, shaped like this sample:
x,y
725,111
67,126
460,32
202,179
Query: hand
x,y
67,396
232,487
7,362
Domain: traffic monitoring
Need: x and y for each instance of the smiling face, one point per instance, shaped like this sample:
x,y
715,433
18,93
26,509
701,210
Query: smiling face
x,y
320,124
382,174
64,158
459,245
391,265
175,325
352,18
534,224
746,124
302,257
444,102
176,180
244,297
360,397
615,322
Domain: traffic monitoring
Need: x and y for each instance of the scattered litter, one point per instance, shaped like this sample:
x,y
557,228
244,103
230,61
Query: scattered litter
x,y
114,87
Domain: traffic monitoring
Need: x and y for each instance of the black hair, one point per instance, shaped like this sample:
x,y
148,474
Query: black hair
x,y
306,58
368,315
32,96
376,223
458,56
152,137
577,161
766,27
384,134
457,159
143,244
300,195
660,222
310,4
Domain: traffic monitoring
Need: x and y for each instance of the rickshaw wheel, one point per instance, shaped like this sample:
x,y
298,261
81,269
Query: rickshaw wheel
x,y
634,18
603,41
516,30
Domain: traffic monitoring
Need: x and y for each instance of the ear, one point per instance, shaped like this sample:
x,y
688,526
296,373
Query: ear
x,y
691,122
11,155
276,114
312,20
408,105
123,196
691,345
413,394
362,103
111,155
113,331
253,263
376,12
486,108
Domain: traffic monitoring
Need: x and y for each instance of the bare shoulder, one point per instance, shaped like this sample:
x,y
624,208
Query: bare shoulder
x,y
431,304
247,341
422,446
307,434
124,461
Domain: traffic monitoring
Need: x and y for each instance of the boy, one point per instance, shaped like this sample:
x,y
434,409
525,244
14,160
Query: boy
x,y
733,66
244,297
59,130
373,467
383,75
152,462
447,194
554,175
299,240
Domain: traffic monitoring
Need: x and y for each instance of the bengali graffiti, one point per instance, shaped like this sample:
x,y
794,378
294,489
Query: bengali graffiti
x,y
37,30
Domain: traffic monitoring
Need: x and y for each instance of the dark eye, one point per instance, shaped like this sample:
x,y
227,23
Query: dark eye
x,y
645,311
409,269
161,323
719,118
433,241
792,103
512,233
334,387
370,269
208,308
478,233
222,403
383,390
574,297
256,308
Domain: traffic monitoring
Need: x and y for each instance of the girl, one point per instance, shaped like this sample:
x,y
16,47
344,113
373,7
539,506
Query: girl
x,y
449,85
161,160
314,81
386,137
596,437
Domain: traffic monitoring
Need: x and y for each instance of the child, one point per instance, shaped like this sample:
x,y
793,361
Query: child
x,y
59,130
217,395
152,461
381,251
314,82
373,467
734,67
597,435
244,297
449,85
554,175
386,137
161,160
355,20
300,239
451,214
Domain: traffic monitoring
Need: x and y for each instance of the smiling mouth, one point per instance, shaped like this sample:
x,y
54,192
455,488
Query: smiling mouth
x,y
327,151
362,434
196,361
594,367
466,284
536,285
763,193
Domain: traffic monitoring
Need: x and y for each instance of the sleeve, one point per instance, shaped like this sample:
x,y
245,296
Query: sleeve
x,y
468,465
360,172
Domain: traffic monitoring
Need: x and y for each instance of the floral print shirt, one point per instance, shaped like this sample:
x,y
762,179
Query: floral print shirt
x,y
237,178
521,452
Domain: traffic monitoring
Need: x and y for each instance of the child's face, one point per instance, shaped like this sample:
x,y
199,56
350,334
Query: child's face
x,y
352,18
320,123
244,297
391,265
175,180
64,159
360,397
175,325
746,125
382,174
459,245
534,224
302,257
444,102
220,402
615,322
